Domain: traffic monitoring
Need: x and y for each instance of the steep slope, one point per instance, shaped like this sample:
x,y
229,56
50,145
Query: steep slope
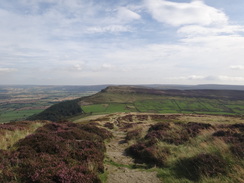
x,y
59,111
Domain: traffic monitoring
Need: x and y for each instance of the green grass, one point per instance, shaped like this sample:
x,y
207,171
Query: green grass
x,y
8,116
95,109
116,108
106,108
110,162
103,176
168,105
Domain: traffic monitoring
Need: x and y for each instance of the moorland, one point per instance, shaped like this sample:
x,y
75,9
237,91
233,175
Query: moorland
x,y
130,134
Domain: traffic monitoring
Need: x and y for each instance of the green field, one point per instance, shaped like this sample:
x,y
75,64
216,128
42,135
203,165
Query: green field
x,y
20,115
173,105
108,108
20,102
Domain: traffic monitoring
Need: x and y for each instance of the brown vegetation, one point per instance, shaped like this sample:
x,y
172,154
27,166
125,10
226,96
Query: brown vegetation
x,y
57,152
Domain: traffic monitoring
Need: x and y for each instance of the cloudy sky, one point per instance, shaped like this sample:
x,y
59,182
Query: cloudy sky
x,y
87,42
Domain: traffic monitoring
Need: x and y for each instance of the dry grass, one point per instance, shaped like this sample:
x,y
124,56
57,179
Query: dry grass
x,y
212,119
200,143
10,137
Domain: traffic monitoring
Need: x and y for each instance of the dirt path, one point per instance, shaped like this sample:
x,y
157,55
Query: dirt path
x,y
121,173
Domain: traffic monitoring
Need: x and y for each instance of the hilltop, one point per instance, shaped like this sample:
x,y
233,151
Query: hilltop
x,y
143,99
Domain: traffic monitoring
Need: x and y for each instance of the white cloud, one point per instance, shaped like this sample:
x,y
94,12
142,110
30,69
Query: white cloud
x,y
109,28
107,66
177,14
194,77
210,79
197,30
237,67
90,42
7,70
127,15
78,67
231,78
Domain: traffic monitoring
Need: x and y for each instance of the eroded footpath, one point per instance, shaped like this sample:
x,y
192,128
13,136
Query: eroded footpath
x,y
120,167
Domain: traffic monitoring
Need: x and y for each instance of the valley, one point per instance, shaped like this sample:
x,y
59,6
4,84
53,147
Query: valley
x,y
17,102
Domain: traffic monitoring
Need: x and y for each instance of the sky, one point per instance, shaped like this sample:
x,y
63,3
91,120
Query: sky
x,y
90,42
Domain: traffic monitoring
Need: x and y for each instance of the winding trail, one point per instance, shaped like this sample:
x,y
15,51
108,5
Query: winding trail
x,y
119,170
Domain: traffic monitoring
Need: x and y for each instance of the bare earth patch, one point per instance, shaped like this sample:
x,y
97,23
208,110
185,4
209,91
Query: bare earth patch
x,y
125,175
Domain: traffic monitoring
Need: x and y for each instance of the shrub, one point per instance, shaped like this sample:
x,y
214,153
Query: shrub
x,y
127,118
57,152
159,126
49,168
229,136
239,126
193,129
109,125
42,142
149,154
134,134
142,117
238,150
194,168
165,133
125,126
103,133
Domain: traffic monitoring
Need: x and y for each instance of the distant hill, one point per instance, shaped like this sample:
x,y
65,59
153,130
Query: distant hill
x,y
147,99
204,93
198,87
45,88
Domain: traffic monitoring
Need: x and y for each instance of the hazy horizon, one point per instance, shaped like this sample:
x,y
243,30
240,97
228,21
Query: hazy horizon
x,y
109,42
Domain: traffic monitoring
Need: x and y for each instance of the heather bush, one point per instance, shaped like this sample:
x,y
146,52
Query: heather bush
x,y
103,133
209,165
147,153
239,126
142,117
159,126
109,125
50,127
57,152
26,152
88,152
193,129
229,136
163,117
43,142
166,133
170,137
50,168
238,150
127,118
133,134
77,134
125,126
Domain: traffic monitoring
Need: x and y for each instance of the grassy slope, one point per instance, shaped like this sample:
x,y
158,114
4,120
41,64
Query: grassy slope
x,y
122,99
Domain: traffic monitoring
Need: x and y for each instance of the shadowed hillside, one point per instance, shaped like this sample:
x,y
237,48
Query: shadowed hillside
x,y
59,111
